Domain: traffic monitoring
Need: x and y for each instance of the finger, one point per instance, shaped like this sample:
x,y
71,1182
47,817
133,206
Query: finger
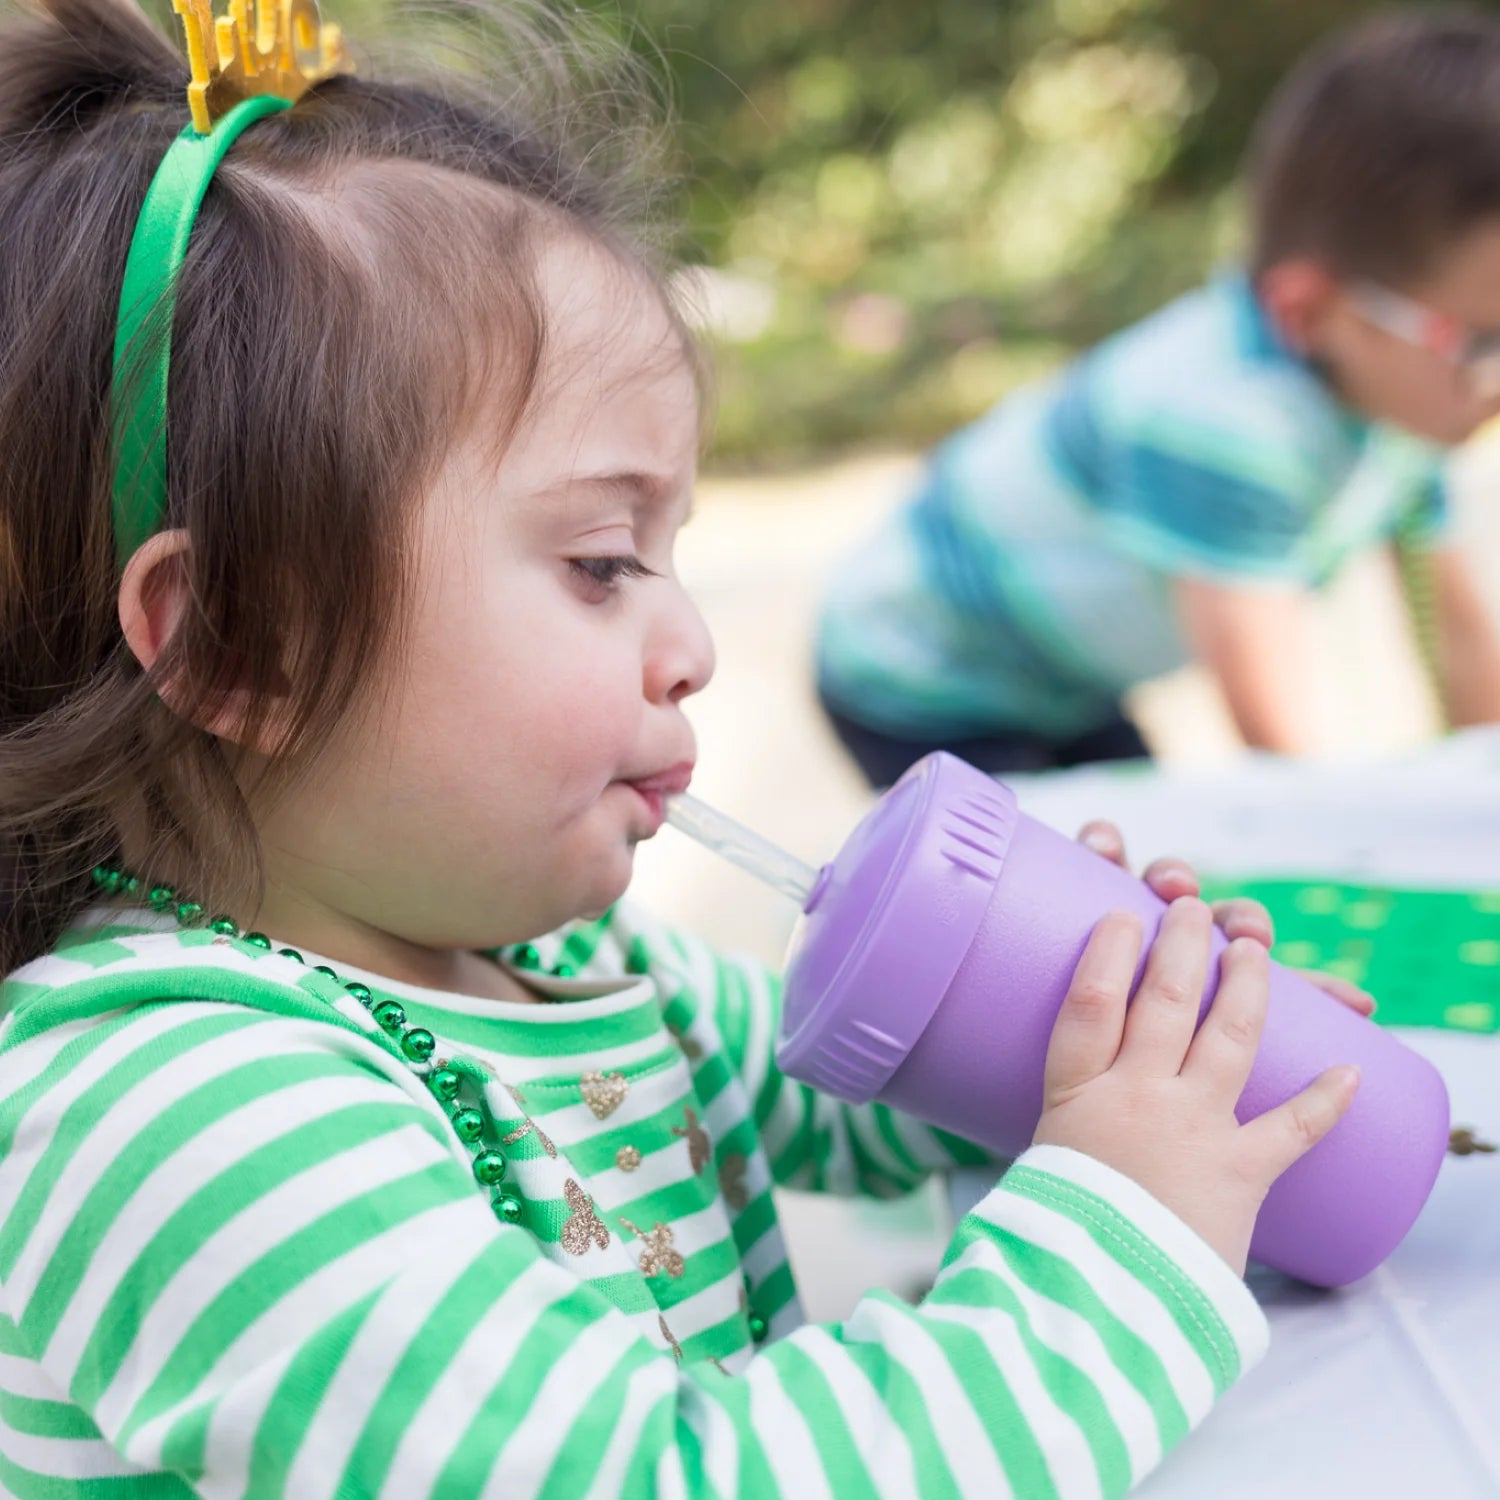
x,y
1103,838
1341,990
1171,878
1223,1051
1163,1014
1240,917
1287,1133
1086,1034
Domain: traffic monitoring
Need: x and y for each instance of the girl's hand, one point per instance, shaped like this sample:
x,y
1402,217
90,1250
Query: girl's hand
x,y
1240,917
1138,1090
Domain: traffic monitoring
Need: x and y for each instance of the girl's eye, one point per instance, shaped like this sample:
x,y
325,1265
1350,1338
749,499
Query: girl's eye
x,y
607,572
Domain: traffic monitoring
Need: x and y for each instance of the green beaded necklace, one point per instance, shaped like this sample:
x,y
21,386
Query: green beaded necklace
x,y
415,1044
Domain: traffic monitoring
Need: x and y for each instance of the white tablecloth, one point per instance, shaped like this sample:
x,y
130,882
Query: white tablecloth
x,y
1388,1390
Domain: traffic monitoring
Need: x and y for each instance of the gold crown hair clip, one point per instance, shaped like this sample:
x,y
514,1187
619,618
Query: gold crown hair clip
x,y
275,47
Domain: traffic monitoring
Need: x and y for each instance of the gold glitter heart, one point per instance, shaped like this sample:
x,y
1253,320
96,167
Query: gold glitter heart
x,y
627,1158
604,1093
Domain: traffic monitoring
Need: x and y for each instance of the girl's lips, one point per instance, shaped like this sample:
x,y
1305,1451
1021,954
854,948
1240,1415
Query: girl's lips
x,y
668,783
654,790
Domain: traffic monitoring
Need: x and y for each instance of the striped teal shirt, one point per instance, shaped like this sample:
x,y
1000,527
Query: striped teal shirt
x,y
243,1253
1027,584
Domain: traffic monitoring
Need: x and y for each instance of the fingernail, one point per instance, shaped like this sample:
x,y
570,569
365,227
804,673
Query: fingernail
x,y
1348,1077
1097,840
1250,924
1120,915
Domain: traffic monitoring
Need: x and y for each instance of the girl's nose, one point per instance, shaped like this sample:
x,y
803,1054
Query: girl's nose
x,y
680,653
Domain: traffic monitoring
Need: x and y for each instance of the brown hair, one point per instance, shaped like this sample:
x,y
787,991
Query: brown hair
x,y
358,287
1382,147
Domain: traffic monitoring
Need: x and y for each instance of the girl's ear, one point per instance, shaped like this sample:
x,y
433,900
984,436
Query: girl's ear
x,y
154,597
155,593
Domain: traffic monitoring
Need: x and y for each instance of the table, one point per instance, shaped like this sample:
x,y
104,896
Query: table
x,y
1390,1389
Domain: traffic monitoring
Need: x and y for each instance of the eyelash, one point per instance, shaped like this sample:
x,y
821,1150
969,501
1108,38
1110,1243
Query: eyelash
x,y
607,572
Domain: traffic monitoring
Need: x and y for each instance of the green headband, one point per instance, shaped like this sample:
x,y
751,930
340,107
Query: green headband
x,y
258,59
157,250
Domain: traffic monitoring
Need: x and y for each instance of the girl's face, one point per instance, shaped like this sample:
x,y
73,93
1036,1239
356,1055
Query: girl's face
x,y
532,719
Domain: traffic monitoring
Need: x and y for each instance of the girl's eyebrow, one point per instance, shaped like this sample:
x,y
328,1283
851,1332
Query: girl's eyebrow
x,y
641,488
637,484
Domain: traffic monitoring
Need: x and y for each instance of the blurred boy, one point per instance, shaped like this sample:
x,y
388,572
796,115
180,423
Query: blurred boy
x,y
1177,492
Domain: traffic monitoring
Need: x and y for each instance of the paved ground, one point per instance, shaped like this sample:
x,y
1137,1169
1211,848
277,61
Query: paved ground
x,y
754,557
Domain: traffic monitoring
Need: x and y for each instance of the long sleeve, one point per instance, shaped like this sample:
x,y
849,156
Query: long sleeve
x,y
241,1256
813,1140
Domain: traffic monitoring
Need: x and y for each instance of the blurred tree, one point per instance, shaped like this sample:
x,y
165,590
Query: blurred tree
x,y
905,209
1249,48
946,198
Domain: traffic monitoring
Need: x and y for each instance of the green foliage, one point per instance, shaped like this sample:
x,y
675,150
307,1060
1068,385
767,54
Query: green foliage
x,y
910,206
943,199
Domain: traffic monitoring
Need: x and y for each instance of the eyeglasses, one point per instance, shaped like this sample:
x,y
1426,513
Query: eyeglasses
x,y
1476,352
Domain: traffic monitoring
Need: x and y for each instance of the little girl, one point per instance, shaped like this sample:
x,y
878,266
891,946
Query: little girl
x,y
345,1149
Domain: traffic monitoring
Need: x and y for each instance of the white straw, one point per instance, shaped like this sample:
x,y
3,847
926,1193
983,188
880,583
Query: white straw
x,y
757,856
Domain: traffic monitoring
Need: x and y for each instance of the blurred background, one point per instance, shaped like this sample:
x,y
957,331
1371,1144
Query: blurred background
x,y
909,209
902,212
896,213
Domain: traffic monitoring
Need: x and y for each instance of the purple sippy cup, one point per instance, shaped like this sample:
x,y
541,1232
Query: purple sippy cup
x,y
934,953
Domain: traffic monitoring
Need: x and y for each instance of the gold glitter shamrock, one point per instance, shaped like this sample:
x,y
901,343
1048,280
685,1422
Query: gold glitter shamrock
x,y
658,1255
666,1333
584,1227
732,1180
700,1148
690,1048
530,1127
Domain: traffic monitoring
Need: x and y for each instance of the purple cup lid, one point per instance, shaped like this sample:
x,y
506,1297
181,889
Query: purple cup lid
x,y
888,925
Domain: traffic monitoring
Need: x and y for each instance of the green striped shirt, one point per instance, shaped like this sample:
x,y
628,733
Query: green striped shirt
x,y
243,1252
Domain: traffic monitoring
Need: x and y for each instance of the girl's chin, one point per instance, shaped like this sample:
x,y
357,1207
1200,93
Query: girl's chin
x,y
610,880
